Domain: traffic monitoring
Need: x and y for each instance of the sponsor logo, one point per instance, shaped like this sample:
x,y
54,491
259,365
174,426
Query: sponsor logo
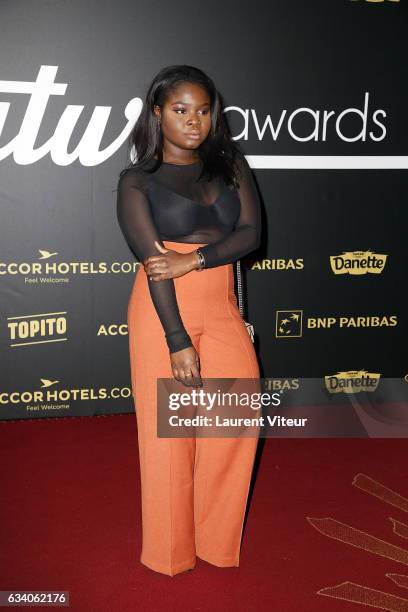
x,y
281,384
51,397
358,262
356,321
41,328
275,264
49,271
352,381
113,329
289,323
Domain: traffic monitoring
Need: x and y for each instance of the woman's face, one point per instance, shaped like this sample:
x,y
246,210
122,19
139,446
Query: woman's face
x,y
185,118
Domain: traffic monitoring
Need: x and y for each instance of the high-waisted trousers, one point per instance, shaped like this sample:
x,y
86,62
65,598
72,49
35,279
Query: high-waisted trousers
x,y
193,490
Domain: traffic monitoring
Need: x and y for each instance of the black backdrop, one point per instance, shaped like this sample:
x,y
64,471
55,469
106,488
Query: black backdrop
x,y
316,95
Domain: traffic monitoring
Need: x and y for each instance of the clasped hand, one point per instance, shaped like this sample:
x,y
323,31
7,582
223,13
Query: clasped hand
x,y
170,264
185,364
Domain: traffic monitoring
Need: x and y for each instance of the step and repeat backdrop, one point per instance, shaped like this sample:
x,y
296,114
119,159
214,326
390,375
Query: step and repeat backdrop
x,y
316,96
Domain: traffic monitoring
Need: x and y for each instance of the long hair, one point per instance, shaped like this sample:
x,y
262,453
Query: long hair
x,y
218,152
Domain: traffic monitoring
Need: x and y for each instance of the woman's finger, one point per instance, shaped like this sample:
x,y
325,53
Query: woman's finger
x,y
156,267
197,382
187,377
153,259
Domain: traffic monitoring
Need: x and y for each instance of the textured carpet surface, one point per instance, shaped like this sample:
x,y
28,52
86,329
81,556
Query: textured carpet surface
x,y
326,530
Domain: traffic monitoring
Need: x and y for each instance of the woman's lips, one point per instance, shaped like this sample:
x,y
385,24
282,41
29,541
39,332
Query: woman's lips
x,y
194,135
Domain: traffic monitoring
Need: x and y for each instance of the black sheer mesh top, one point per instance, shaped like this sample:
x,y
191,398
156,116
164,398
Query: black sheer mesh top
x,y
172,204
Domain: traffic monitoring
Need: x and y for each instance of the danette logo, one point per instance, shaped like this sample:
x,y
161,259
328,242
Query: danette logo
x,y
352,381
358,262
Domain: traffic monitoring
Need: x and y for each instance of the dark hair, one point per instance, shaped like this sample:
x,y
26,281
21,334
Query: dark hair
x,y
218,152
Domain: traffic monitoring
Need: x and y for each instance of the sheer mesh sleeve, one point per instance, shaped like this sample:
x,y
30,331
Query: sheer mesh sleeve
x,y
247,232
137,225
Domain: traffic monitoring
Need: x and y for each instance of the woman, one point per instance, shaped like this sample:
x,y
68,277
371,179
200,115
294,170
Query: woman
x,y
182,211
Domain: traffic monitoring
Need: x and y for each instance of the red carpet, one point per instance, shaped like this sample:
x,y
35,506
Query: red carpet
x,y
70,521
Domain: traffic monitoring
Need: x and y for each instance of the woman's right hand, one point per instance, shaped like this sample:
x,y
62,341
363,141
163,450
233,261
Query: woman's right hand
x,y
185,365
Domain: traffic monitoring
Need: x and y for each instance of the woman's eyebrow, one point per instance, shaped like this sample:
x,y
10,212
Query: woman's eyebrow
x,y
188,103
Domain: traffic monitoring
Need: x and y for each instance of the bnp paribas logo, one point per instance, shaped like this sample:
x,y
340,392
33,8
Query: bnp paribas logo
x,y
358,262
289,323
352,381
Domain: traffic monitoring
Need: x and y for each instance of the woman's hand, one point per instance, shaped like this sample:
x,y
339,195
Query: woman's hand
x,y
170,264
186,367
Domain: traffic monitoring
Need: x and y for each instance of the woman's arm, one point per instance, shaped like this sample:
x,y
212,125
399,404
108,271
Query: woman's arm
x,y
246,236
137,225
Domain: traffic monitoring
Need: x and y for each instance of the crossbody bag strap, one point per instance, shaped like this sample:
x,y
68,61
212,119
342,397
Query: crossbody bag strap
x,y
241,303
239,289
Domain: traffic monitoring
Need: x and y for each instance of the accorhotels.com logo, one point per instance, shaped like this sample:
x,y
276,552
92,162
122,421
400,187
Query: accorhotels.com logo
x,y
52,397
290,324
47,269
114,329
358,262
352,381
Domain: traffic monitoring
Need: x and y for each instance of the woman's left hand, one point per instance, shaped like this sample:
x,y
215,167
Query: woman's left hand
x,y
170,264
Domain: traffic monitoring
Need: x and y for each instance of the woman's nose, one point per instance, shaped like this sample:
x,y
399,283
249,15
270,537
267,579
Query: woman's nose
x,y
193,119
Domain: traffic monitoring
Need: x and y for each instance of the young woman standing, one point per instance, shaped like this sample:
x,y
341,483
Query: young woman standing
x,y
188,209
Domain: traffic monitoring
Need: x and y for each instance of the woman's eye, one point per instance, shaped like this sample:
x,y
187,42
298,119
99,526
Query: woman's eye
x,y
182,110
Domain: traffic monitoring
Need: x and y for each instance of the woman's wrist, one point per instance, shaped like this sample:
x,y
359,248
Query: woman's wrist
x,y
201,259
196,260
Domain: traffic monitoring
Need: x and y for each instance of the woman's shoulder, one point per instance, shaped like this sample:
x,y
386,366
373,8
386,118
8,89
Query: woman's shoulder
x,y
243,168
242,162
135,176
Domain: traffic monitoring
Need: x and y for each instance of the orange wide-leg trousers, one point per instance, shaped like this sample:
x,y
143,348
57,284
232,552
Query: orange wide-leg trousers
x,y
193,490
